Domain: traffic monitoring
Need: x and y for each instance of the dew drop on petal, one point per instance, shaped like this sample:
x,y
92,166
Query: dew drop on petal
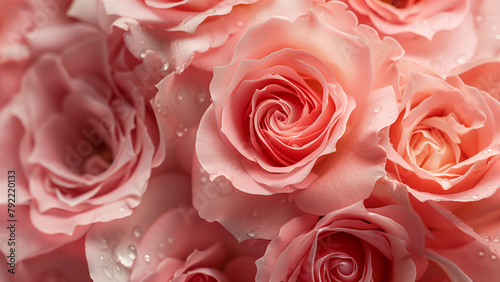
x,y
493,257
122,209
132,252
160,253
102,243
496,239
251,234
239,23
147,258
137,231
481,253
486,238
101,257
445,183
170,240
462,59
108,271
475,197
377,109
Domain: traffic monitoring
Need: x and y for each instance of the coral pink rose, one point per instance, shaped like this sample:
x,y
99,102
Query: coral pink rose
x,y
164,239
84,150
289,114
351,244
445,142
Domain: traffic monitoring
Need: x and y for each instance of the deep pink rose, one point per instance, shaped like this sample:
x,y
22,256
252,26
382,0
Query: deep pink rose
x,y
353,244
444,144
187,31
164,239
82,149
288,114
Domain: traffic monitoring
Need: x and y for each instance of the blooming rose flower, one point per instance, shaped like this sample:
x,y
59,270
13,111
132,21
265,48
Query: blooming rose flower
x,y
289,114
181,32
84,150
424,18
164,239
430,32
444,144
350,244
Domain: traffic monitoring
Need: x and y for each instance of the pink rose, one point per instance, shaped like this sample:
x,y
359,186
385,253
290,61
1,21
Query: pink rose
x,y
164,239
288,114
431,32
184,32
352,244
84,149
424,18
444,144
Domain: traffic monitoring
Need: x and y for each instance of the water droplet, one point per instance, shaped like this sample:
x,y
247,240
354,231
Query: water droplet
x,y
137,231
475,197
493,257
496,239
481,253
445,183
180,96
170,240
202,96
204,179
251,233
486,238
142,42
147,258
377,109
295,145
101,257
239,23
164,67
108,271
122,209
97,219
462,59
132,252
160,253
102,243
180,131
142,54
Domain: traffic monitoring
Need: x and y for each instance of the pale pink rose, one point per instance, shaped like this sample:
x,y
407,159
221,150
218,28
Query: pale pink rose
x,y
187,31
431,32
288,114
164,239
445,142
82,149
351,244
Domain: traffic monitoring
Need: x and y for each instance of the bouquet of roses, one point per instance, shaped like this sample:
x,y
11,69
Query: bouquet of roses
x,y
250,140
